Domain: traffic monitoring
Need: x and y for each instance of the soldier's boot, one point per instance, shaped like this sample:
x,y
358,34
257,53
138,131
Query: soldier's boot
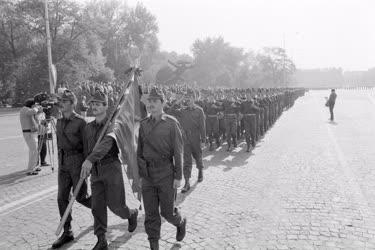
x,y
229,146
102,243
234,141
248,144
132,221
181,230
186,187
200,175
66,237
248,148
154,244
218,144
211,146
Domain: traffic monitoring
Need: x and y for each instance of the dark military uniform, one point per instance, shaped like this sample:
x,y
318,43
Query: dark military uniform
x,y
231,111
194,131
212,122
69,133
160,159
107,183
249,111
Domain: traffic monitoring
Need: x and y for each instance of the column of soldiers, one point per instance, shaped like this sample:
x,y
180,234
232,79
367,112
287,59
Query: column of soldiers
x,y
230,114
180,121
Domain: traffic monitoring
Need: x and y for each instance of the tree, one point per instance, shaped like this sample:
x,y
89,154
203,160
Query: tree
x,y
273,68
216,62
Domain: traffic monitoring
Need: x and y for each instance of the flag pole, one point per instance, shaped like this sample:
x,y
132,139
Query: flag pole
x,y
50,77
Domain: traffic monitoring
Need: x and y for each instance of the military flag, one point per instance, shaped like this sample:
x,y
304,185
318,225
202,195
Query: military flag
x,y
125,130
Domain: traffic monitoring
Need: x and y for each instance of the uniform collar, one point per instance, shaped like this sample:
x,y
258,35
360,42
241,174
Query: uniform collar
x,y
73,115
162,117
102,122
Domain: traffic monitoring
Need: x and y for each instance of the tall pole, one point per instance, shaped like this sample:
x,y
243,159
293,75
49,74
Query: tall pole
x,y
284,73
51,83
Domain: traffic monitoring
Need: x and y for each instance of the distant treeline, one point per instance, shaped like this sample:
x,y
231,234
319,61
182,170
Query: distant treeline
x,y
333,77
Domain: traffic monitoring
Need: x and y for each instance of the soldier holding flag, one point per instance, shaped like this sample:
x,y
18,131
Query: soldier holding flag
x,y
107,183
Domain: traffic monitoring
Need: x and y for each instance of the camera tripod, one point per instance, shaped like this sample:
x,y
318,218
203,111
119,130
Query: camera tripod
x,y
47,136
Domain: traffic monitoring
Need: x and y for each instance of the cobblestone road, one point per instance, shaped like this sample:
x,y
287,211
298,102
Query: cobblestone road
x,y
309,184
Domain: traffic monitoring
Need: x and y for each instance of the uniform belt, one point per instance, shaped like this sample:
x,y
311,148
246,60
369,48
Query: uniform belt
x,y
213,116
248,114
71,152
106,161
230,114
27,131
156,161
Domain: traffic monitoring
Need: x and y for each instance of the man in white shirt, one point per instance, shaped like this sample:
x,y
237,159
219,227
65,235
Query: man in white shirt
x,y
29,127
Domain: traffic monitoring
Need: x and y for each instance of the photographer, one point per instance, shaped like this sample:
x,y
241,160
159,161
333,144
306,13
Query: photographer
x,y
29,127
42,138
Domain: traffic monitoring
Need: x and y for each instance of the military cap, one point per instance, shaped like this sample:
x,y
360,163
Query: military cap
x,y
99,96
156,94
190,93
69,96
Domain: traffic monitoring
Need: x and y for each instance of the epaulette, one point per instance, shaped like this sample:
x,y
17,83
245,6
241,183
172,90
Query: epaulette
x,y
79,117
144,119
170,117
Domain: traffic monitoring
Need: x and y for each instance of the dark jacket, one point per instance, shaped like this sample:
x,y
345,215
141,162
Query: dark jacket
x,y
160,148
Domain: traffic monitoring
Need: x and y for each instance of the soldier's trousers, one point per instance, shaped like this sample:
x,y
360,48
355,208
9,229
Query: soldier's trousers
x,y
157,196
107,186
265,120
192,149
222,129
331,112
259,119
261,122
212,127
250,128
68,176
231,129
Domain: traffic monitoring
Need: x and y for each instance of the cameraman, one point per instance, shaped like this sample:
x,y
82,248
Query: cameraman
x,y
29,127
42,138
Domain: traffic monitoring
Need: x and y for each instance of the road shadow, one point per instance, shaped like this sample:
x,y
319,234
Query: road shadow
x,y
20,176
332,123
236,158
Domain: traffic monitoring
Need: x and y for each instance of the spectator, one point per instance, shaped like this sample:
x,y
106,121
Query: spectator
x,y
82,107
29,127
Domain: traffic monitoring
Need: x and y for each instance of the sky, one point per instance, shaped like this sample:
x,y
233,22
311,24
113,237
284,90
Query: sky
x,y
316,33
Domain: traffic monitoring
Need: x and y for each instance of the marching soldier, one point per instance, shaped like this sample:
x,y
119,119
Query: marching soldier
x,y
231,111
103,163
194,133
69,132
212,122
159,153
249,111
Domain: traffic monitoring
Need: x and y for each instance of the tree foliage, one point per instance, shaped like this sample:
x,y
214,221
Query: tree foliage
x,y
100,39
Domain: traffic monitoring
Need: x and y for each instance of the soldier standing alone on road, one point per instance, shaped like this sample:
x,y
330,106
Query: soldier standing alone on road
x,y
159,154
107,183
69,132
331,103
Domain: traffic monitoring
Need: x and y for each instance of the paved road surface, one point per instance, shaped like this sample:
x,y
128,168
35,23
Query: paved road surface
x,y
309,184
